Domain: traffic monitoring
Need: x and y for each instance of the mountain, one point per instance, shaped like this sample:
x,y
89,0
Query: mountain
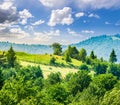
x,y
101,45
32,49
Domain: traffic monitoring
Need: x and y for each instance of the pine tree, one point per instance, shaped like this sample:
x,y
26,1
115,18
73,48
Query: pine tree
x,y
92,55
113,58
67,57
82,54
11,58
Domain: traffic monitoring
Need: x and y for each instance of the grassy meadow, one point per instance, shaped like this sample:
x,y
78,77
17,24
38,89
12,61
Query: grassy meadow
x,y
45,59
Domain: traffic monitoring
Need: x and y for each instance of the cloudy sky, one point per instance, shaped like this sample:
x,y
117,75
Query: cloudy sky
x,y
63,21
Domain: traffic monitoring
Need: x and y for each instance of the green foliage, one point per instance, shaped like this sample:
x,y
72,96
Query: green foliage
x,y
67,57
57,48
100,67
3,59
113,57
82,55
11,58
88,61
73,52
78,82
54,78
31,72
114,69
1,79
58,92
111,98
84,67
27,86
92,55
52,61
105,81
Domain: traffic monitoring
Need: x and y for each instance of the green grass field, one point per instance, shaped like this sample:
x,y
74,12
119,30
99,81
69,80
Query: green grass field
x,y
45,59
46,69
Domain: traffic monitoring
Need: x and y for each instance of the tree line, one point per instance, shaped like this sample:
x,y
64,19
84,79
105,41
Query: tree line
x,y
97,81
73,52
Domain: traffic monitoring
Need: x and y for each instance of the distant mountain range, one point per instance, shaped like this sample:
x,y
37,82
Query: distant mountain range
x,y
101,45
32,48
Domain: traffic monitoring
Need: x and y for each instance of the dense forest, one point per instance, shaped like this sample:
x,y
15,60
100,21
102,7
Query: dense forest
x,y
97,81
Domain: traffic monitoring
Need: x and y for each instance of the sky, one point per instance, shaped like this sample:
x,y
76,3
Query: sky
x,y
62,21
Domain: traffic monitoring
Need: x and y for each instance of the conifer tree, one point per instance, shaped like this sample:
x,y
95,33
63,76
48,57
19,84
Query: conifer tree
x,y
113,58
11,58
92,55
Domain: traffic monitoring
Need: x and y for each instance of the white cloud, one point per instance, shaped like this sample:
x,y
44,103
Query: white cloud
x,y
63,16
24,15
39,22
54,3
82,4
8,12
6,5
88,32
46,36
70,31
80,14
73,33
93,15
12,32
97,4
18,32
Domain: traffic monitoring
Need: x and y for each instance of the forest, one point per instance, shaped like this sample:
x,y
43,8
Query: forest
x,y
96,82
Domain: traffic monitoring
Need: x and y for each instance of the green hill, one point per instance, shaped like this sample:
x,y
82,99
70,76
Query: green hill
x,y
45,59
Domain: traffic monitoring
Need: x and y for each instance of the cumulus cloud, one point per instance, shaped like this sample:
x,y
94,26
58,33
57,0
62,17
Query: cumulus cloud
x,y
93,15
39,22
80,14
24,15
61,16
13,32
8,12
88,31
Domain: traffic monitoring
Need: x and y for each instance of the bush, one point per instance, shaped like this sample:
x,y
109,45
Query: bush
x,y
58,93
54,78
84,67
52,61
78,82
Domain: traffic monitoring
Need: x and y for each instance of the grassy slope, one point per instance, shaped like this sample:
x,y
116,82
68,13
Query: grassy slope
x,y
48,69
45,59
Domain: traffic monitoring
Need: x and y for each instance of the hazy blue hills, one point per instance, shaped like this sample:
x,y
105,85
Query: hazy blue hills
x,y
32,49
102,46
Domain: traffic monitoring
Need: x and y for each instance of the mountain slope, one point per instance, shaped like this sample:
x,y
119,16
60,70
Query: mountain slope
x,y
32,49
101,45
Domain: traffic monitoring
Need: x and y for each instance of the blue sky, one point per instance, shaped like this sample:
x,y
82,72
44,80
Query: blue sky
x,y
63,21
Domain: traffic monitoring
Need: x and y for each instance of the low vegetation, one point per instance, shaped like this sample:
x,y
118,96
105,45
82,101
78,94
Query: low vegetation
x,y
95,82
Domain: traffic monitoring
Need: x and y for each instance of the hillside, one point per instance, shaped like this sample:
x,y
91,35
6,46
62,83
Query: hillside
x,y
28,48
102,45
